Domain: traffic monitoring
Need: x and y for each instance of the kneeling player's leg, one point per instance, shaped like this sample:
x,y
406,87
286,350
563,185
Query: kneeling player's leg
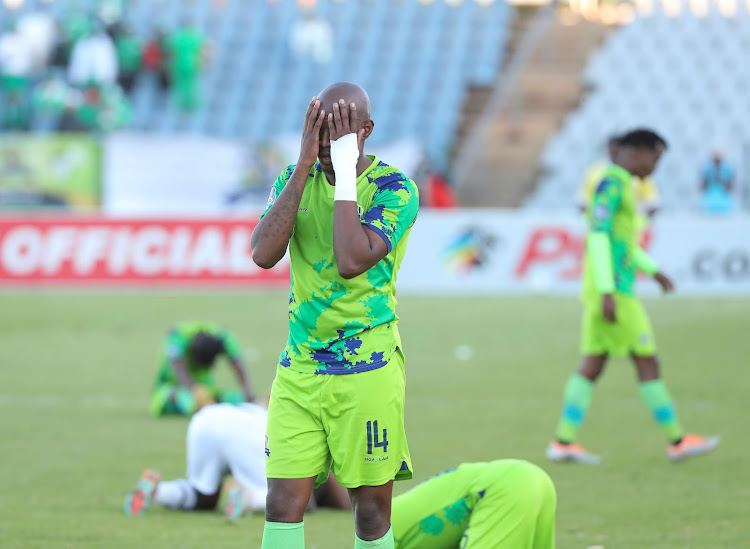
x,y
171,400
332,495
230,396
516,510
205,469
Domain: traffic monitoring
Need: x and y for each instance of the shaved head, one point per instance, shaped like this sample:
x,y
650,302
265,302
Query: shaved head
x,y
349,92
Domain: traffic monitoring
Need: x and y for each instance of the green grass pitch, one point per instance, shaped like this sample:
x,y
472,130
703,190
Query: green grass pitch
x,y
77,369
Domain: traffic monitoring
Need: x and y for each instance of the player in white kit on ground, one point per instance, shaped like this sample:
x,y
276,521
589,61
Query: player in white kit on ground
x,y
222,439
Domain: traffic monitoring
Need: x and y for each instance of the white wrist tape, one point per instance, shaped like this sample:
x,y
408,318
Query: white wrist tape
x,y
344,156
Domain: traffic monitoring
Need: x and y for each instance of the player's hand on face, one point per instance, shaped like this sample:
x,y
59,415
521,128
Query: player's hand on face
x,y
667,286
609,309
345,120
311,133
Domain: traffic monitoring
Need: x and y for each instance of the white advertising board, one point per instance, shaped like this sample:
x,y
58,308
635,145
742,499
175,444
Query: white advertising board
x,y
147,175
520,252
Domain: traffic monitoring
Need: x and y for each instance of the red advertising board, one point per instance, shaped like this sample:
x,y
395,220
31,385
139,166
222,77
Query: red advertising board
x,y
64,251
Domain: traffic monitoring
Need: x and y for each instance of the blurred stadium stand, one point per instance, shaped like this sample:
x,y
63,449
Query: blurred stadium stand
x,y
682,76
416,60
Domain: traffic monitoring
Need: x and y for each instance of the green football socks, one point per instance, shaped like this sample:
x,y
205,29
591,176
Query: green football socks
x,y
284,535
576,401
386,542
656,397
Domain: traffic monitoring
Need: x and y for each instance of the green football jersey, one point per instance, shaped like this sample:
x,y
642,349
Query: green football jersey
x,y
340,326
436,512
613,210
178,341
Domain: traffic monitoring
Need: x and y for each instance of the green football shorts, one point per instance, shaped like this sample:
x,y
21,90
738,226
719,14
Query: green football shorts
x,y
631,333
351,424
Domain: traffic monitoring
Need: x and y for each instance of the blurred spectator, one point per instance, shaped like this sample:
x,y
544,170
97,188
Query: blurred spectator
x,y
129,55
16,62
438,192
154,57
111,12
186,53
40,30
312,37
75,25
100,109
51,99
93,60
71,28
717,178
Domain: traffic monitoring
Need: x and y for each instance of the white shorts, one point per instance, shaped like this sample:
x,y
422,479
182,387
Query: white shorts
x,y
224,439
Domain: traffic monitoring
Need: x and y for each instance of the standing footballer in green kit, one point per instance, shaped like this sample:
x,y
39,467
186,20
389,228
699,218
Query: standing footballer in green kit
x,y
614,320
337,402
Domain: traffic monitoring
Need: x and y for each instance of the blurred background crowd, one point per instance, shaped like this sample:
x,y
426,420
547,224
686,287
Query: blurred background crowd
x,y
73,66
483,102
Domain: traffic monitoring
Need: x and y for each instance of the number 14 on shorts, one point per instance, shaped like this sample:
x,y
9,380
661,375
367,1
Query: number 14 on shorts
x,y
374,439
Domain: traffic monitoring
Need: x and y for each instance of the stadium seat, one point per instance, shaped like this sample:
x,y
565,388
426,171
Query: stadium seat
x,y
416,61
678,75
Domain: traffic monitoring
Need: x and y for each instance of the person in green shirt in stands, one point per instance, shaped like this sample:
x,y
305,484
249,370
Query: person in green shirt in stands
x,y
185,381
129,55
186,49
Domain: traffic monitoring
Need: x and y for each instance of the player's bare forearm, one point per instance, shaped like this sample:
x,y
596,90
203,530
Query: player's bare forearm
x,y
271,236
355,247
244,379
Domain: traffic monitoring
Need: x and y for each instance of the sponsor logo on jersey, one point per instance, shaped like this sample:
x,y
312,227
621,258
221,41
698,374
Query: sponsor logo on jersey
x,y
272,196
268,452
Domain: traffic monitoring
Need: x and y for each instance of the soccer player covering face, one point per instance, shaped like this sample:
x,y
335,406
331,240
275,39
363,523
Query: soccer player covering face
x,y
337,402
614,320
